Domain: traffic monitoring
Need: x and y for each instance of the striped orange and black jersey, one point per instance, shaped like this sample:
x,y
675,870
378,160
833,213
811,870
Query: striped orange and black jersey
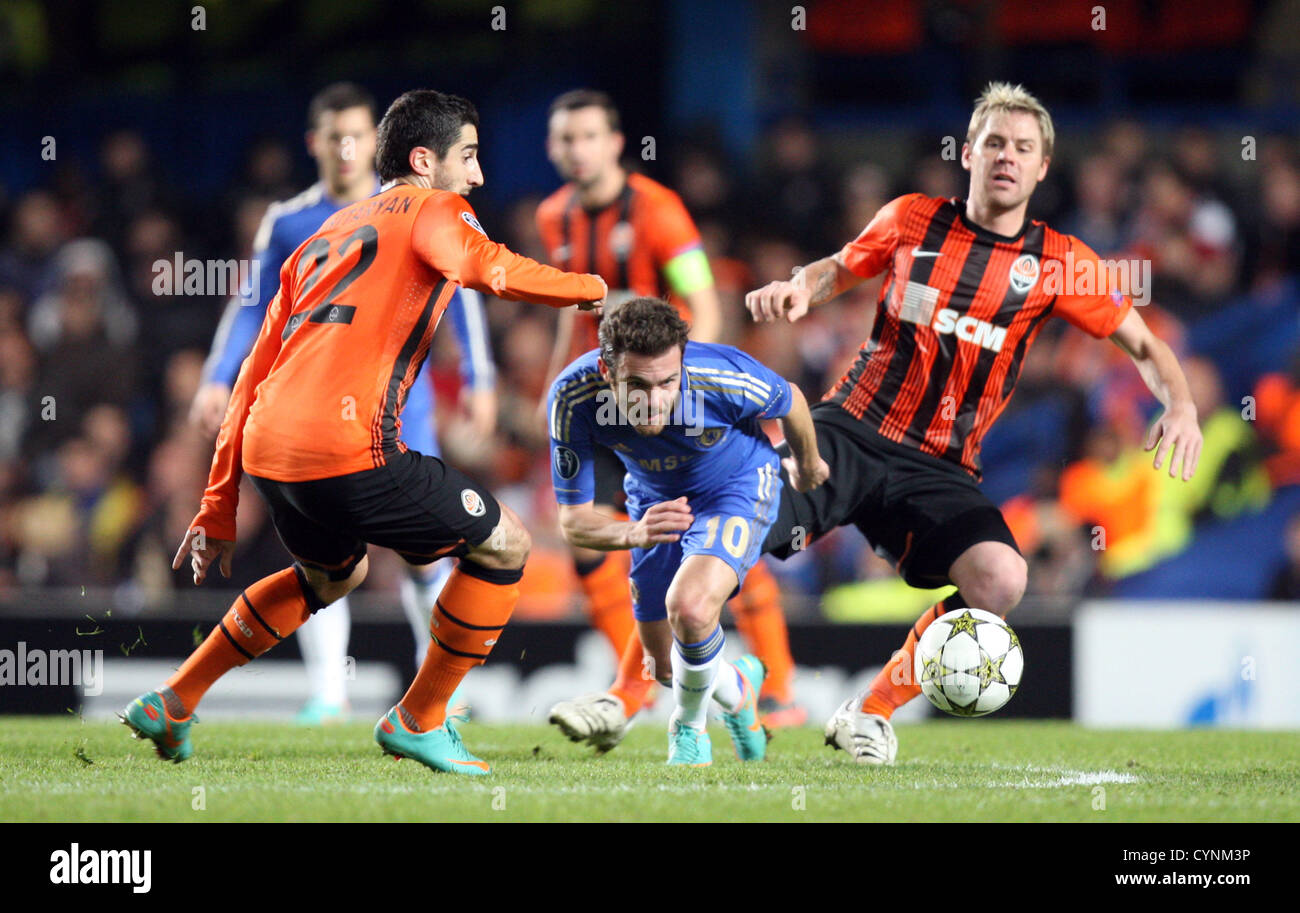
x,y
322,391
957,312
627,243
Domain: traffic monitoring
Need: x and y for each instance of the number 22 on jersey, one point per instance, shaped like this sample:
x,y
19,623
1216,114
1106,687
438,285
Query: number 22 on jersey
x,y
313,258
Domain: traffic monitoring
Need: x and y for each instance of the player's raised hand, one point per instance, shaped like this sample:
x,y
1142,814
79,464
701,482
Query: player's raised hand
x,y
599,303
663,522
203,551
806,479
1179,437
779,299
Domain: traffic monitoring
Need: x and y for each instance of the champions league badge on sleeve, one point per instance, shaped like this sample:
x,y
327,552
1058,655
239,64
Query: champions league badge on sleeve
x,y
566,463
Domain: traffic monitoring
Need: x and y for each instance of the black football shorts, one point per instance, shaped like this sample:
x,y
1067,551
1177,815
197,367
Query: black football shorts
x,y
915,509
416,505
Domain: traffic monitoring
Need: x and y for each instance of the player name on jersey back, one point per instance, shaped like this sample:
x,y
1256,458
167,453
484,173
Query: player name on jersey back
x,y
358,304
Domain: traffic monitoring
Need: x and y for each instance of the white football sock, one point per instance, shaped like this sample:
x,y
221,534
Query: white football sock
x,y
323,640
695,672
728,690
419,590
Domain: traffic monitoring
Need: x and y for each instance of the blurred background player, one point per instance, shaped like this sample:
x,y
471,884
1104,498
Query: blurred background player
x,y
968,285
315,421
637,235
341,139
702,488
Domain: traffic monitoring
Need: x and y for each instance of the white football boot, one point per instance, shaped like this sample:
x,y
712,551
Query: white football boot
x,y
867,737
599,719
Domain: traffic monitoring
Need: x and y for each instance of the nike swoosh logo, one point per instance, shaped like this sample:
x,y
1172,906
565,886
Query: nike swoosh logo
x,y
917,252
481,765
751,701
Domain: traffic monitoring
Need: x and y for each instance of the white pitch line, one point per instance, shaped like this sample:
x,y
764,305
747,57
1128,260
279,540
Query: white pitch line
x,y
1070,778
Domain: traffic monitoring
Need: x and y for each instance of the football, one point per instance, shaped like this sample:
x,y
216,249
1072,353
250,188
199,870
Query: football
x,y
969,662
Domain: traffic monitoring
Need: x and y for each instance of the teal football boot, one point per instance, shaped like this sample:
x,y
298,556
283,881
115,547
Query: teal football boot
x,y
688,746
440,749
147,717
748,734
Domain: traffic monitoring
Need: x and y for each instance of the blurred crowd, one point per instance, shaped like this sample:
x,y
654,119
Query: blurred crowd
x,y
101,470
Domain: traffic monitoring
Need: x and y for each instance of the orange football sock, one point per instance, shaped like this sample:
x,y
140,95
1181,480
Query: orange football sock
x,y
761,621
467,621
894,685
263,615
634,681
609,598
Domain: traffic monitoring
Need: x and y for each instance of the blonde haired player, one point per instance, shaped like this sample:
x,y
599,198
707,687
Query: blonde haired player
x,y
964,297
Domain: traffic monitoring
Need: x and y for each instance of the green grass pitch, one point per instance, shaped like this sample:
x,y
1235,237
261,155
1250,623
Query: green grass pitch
x,y
55,769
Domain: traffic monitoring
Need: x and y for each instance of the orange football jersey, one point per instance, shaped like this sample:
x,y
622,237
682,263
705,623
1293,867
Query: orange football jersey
x,y
626,243
322,391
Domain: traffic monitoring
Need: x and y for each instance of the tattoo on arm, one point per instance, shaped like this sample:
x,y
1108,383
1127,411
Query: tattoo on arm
x,y
824,287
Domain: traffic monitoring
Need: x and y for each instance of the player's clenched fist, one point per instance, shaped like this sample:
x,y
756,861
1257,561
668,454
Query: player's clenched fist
x,y
806,478
598,303
663,522
779,299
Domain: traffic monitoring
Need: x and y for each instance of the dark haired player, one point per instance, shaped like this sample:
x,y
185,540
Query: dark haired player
x,y
341,139
637,235
702,487
968,286
314,420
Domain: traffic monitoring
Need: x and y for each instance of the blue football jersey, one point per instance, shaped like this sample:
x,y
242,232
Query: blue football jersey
x,y
713,438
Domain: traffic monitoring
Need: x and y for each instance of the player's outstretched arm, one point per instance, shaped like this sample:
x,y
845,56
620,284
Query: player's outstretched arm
x,y
1176,431
805,465
867,255
586,527
447,236
812,285
211,533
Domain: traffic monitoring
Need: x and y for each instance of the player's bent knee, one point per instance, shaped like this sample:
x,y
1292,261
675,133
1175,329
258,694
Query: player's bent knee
x,y
999,581
1012,578
508,546
329,591
692,613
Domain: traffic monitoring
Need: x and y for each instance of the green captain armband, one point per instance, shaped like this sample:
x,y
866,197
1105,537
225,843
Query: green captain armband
x,y
688,272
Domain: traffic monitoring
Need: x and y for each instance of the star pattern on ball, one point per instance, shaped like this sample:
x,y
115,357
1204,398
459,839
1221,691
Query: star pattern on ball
x,y
990,671
964,623
931,669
